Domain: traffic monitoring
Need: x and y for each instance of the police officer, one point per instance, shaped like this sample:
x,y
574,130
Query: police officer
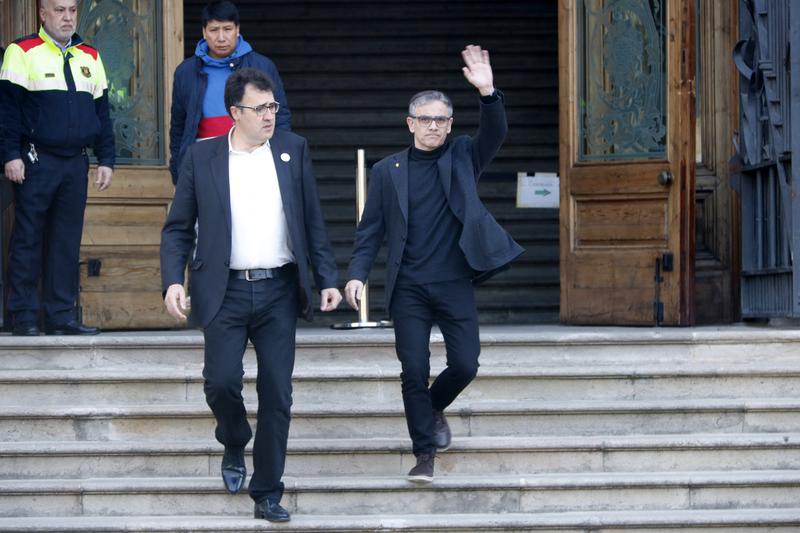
x,y
54,104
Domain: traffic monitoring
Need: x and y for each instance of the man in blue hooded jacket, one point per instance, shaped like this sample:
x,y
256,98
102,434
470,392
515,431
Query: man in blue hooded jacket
x,y
198,106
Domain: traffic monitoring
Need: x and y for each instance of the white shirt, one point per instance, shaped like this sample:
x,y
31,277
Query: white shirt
x,y
259,233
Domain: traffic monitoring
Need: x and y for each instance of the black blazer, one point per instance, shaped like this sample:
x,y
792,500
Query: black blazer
x,y
203,194
486,246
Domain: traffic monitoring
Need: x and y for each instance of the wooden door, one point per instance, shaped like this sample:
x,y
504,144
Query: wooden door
x,y
120,280
627,161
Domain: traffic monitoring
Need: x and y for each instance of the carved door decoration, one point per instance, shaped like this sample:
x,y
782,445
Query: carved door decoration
x,y
128,36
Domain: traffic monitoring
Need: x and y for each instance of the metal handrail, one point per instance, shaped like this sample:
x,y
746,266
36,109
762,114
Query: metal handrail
x,y
361,200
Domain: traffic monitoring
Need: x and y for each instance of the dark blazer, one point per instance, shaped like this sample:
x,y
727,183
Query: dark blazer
x,y
203,194
486,246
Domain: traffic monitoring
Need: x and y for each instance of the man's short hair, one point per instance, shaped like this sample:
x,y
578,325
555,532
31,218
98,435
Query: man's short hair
x,y
238,82
426,97
223,11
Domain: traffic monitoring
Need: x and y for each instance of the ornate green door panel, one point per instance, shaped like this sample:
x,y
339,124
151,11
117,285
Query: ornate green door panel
x,y
622,80
128,34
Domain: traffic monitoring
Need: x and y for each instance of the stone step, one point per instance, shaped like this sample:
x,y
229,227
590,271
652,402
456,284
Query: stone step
x,y
466,417
389,457
538,493
584,425
380,382
540,345
765,520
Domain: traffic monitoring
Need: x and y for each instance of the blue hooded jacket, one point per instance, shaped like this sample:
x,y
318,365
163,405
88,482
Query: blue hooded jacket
x,y
189,87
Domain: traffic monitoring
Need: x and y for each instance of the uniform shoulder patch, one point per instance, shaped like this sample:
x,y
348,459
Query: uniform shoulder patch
x,y
28,42
92,51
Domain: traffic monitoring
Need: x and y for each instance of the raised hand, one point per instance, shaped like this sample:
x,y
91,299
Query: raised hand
x,y
478,70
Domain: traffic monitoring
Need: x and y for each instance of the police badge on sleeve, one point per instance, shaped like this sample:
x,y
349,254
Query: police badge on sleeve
x,y
86,72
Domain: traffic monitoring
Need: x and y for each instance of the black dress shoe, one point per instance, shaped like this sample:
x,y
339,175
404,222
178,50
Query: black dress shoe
x,y
233,470
73,327
272,511
25,330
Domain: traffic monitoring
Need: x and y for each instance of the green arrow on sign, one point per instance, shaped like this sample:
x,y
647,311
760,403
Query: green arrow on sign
x,y
542,192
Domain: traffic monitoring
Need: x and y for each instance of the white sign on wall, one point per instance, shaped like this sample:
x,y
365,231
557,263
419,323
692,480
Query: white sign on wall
x,y
539,190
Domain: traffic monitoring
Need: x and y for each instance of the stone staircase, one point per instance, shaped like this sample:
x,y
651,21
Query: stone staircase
x,y
565,429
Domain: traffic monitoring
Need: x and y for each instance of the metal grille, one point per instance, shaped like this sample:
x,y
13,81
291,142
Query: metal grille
x,y
770,211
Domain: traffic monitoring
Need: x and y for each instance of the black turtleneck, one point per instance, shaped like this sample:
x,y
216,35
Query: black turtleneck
x,y
431,252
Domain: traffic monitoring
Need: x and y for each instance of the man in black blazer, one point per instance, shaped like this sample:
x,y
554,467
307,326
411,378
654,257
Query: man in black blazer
x,y
253,195
441,240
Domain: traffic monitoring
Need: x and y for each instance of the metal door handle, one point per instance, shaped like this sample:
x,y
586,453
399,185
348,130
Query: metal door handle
x,y
665,178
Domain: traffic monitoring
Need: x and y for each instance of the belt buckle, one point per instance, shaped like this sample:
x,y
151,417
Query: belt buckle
x,y
247,275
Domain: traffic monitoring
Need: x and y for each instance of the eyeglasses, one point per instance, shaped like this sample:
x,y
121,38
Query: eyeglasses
x,y
425,121
262,109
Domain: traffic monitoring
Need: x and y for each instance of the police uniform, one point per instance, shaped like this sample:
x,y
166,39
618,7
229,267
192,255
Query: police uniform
x,y
53,104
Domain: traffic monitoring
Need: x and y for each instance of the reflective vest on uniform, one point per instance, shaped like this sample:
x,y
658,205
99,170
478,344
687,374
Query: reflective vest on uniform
x,y
54,99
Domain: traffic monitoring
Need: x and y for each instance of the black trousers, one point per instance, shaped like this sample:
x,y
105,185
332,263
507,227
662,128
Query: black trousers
x,y
265,312
48,224
415,308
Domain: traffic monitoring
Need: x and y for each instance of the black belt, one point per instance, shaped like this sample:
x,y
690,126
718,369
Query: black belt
x,y
257,274
62,152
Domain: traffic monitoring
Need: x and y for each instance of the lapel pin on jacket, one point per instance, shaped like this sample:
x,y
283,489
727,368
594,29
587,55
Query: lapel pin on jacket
x,y
285,157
